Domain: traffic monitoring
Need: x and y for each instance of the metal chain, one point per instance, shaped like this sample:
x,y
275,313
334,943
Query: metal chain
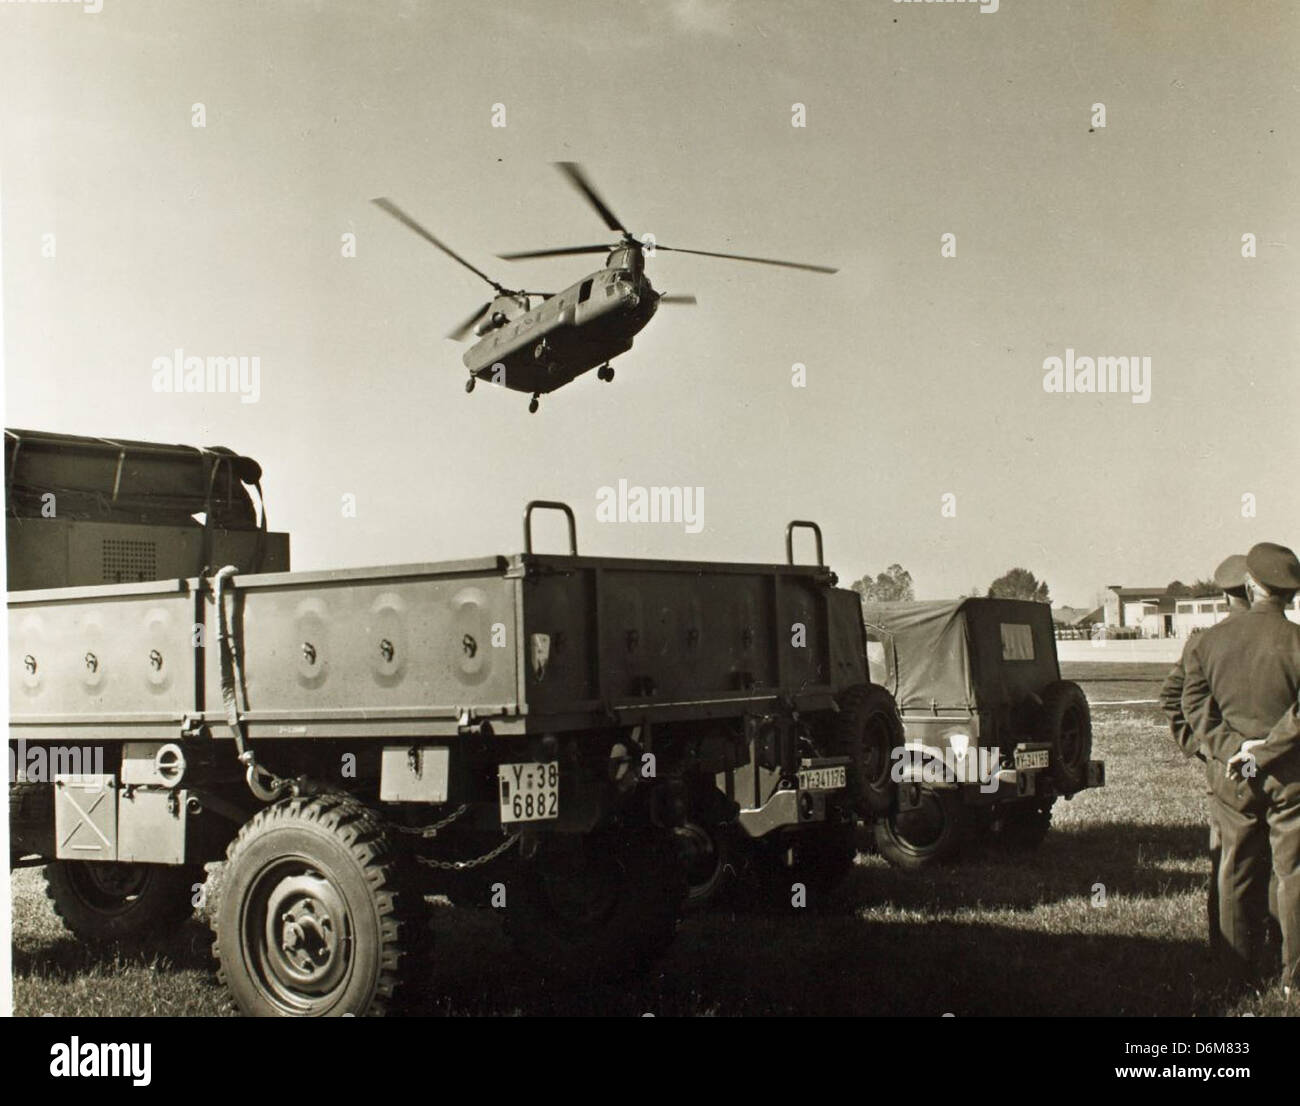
x,y
463,865
432,829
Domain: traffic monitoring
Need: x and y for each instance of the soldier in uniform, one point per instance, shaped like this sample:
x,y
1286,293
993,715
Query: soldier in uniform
x,y
1241,696
1230,576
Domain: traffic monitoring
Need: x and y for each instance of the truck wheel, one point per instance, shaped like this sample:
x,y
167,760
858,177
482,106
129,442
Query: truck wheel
x,y
109,901
867,729
705,851
314,917
1067,725
1022,827
607,905
927,833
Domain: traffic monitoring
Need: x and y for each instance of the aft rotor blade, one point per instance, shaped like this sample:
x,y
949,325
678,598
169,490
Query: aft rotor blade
x,y
385,204
756,260
563,251
459,332
681,299
578,179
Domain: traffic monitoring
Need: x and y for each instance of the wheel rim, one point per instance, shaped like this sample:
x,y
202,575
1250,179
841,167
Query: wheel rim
x,y
702,858
920,828
297,937
109,888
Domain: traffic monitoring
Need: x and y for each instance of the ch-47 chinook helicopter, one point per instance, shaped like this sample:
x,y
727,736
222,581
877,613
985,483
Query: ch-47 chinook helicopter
x,y
540,347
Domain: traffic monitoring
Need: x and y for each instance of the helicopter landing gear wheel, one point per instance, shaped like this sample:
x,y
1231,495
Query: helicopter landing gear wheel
x,y
605,373
469,384
532,404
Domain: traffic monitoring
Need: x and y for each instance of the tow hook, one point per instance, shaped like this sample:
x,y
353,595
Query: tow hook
x,y
254,774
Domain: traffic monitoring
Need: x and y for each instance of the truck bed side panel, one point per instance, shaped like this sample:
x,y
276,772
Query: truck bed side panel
x,y
344,658
120,665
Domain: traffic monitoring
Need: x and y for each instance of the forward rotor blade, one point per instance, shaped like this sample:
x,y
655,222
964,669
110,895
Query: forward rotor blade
x,y
464,328
578,179
564,251
681,299
385,204
756,260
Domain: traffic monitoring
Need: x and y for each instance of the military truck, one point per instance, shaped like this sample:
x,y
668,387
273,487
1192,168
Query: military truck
x,y
535,731
993,735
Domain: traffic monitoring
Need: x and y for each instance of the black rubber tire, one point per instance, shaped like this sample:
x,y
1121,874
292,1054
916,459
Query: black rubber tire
x,y
1067,726
608,908
1021,827
327,861
930,834
707,849
867,729
109,901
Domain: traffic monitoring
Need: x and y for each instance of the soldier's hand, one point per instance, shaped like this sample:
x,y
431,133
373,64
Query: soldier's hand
x,y
1242,764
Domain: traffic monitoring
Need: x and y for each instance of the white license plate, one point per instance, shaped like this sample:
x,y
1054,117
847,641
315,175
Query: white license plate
x,y
823,779
529,792
1033,758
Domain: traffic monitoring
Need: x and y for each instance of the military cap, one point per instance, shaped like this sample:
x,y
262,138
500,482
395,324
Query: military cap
x,y
1231,575
1274,566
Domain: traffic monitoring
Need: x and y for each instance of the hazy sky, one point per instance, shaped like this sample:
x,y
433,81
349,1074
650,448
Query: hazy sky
x,y
924,373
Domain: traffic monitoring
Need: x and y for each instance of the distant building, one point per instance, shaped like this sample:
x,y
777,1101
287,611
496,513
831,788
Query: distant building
x,y
1157,614
1149,610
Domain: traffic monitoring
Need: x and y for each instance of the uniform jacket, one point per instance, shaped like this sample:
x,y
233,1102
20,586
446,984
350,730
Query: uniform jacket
x,y
1242,682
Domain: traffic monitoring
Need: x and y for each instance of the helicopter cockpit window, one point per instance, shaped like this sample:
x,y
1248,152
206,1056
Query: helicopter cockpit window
x,y
584,293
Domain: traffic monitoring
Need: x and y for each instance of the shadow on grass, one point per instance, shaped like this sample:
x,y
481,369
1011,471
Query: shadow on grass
x,y
957,939
1125,857
187,946
851,961
803,965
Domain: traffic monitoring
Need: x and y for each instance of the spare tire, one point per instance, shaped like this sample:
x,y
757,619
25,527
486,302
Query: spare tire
x,y
867,729
930,831
1067,726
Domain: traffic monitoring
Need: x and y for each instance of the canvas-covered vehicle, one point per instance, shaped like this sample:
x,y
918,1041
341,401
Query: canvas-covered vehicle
x,y
993,735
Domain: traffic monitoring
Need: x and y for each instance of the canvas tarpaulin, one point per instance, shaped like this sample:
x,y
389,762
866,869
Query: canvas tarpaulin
x,y
925,649
962,653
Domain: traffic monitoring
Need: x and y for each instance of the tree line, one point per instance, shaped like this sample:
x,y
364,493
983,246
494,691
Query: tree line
x,y
894,585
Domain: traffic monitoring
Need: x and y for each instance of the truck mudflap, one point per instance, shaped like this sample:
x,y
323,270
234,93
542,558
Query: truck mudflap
x,y
821,787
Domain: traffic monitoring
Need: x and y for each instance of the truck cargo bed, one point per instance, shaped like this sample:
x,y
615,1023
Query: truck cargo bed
x,y
529,643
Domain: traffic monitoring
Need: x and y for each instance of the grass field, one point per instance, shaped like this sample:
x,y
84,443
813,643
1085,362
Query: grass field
x,y
995,935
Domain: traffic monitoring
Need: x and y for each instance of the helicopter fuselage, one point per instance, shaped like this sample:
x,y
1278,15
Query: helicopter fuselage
x,y
569,333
